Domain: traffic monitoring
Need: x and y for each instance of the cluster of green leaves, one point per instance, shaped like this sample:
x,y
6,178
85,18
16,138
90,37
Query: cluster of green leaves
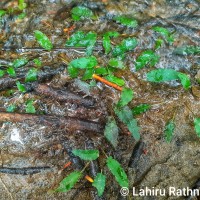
x,y
141,108
30,108
147,57
89,66
16,64
81,39
43,40
162,75
21,4
2,13
100,180
81,12
197,126
11,108
84,63
168,36
187,50
125,115
169,130
126,21
126,45
107,41
111,131
20,87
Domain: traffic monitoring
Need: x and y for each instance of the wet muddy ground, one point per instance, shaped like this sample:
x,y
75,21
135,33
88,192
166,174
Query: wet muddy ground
x,y
70,116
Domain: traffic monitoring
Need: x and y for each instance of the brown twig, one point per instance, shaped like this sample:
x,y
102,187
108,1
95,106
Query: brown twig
x,y
62,95
68,123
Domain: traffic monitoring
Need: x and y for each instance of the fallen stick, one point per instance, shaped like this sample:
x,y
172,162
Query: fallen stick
x,y
61,95
22,171
68,123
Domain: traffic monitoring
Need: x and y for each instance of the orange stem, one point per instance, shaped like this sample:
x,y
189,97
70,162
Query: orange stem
x,y
89,179
67,164
106,82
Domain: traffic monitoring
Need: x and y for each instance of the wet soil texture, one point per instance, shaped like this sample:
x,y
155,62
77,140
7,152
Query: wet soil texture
x,y
72,115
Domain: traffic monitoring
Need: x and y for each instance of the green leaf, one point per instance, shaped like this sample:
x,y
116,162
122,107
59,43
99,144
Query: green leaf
x,y
126,116
106,40
106,44
126,45
73,72
1,73
31,75
187,50
161,75
80,39
164,32
140,109
126,21
21,4
116,80
158,43
126,97
101,71
111,132
75,17
81,12
129,43
11,108
197,126
185,80
75,38
147,57
20,87
2,13
114,62
169,130
68,182
84,62
30,107
43,40
91,38
88,74
11,71
21,16
86,154
117,171
19,62
112,34
37,62
99,183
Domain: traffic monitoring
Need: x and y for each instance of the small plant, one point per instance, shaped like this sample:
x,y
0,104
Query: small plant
x,y
99,181
126,21
169,129
30,107
197,126
31,75
43,40
162,75
81,12
20,87
165,33
147,57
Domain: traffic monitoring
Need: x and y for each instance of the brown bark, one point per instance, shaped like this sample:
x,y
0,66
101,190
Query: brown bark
x,y
57,122
63,96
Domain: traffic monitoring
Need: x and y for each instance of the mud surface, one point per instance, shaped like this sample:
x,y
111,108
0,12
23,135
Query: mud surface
x,y
40,143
